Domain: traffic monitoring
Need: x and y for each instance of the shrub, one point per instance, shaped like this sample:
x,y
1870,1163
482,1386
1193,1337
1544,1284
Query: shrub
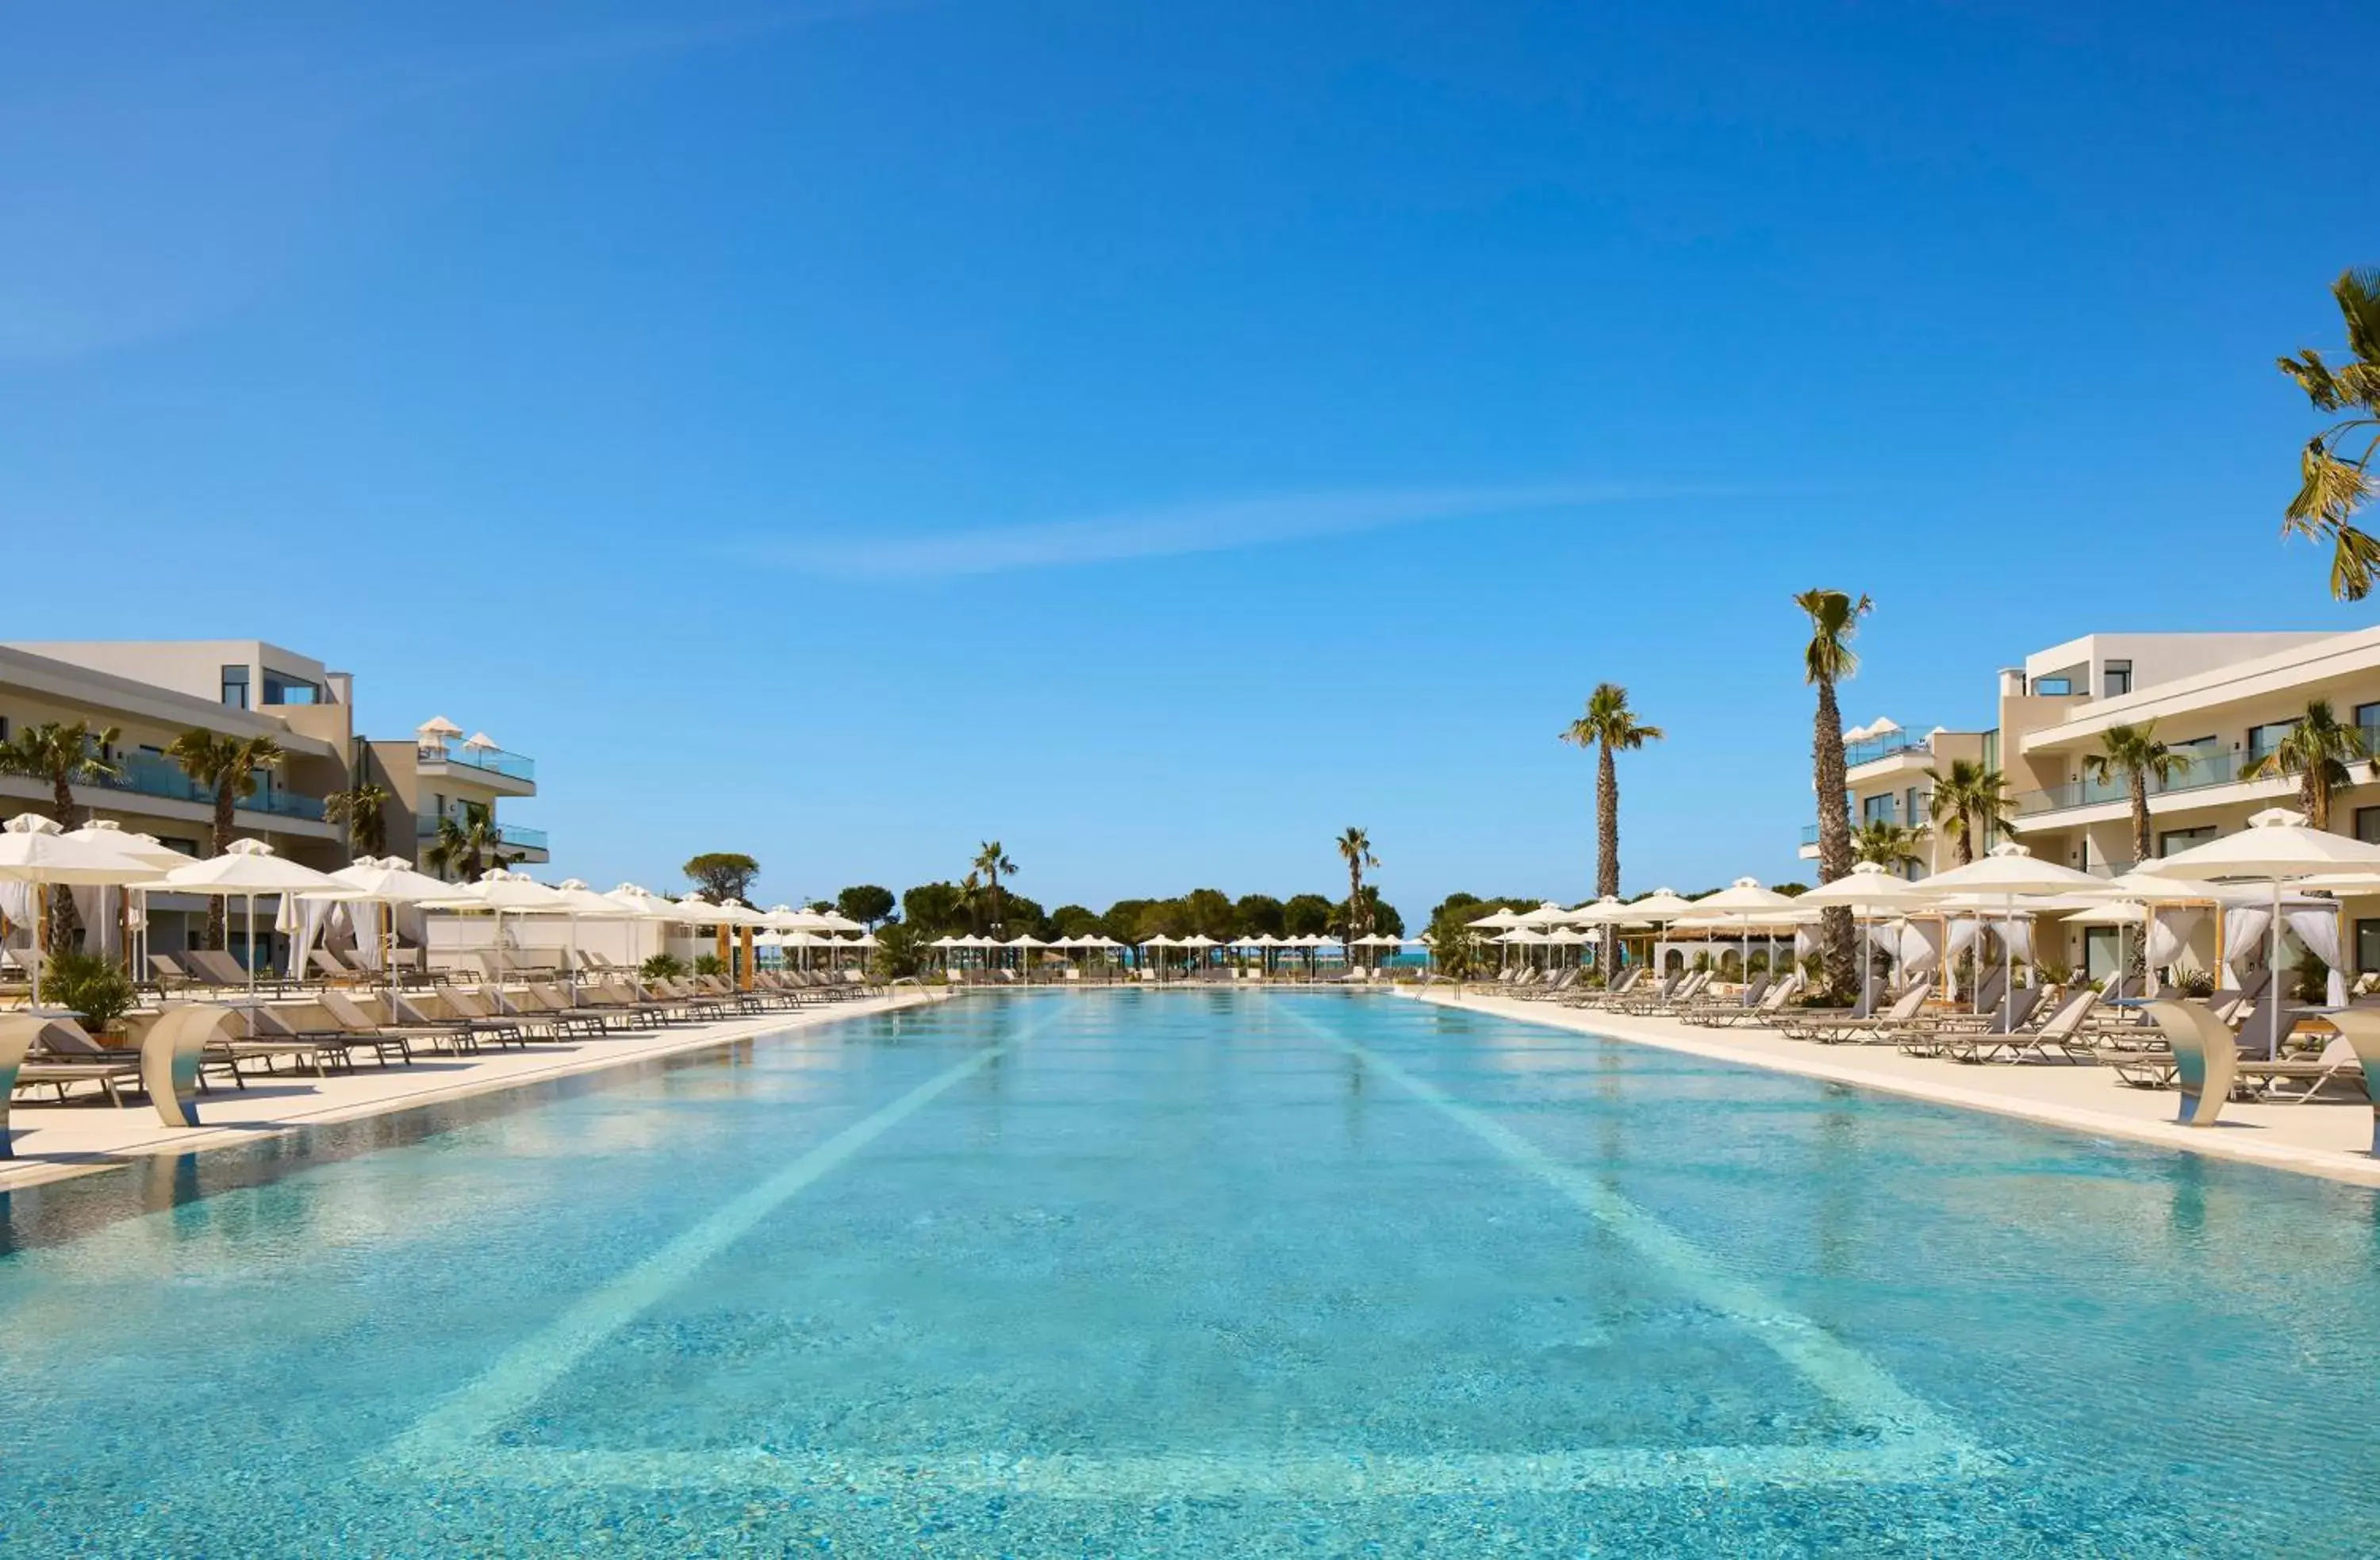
x,y
710,964
93,988
662,967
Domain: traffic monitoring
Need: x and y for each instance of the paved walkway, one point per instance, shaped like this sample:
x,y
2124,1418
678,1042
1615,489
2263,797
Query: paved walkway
x,y
2319,1138
52,1141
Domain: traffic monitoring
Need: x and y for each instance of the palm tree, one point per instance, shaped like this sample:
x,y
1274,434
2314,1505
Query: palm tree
x,y
2334,471
969,900
1969,803
2134,753
2318,751
65,755
227,766
359,809
1828,660
1356,850
991,861
468,845
1608,727
1889,845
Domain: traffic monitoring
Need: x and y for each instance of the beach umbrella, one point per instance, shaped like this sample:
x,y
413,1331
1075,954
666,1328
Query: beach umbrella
x,y
108,834
34,850
1868,890
1496,921
248,868
1741,901
582,903
2277,847
502,891
1660,907
382,882
1546,915
2009,873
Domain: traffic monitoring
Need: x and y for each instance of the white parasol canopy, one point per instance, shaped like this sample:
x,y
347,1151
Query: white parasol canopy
x,y
2277,847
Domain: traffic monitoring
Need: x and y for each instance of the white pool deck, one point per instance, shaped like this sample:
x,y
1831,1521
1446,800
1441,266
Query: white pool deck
x,y
2322,1137
53,1141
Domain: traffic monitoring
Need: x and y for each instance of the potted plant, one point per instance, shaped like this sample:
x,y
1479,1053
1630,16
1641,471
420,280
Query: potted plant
x,y
91,988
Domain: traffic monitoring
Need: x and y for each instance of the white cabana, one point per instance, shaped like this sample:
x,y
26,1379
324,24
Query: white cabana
x,y
380,882
2277,848
2009,873
1870,890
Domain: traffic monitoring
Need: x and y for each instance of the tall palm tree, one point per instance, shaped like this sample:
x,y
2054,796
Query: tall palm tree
x,y
1828,660
2134,753
2335,470
1969,803
64,754
1889,845
991,860
969,901
1356,850
360,809
2318,751
227,766
1608,727
468,845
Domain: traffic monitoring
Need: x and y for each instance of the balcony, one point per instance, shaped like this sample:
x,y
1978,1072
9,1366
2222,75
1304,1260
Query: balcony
x,y
2204,770
147,774
1869,750
1809,834
491,760
512,835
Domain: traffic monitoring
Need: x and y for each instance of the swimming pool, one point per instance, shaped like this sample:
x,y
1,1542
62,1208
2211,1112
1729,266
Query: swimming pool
x,y
1191,1274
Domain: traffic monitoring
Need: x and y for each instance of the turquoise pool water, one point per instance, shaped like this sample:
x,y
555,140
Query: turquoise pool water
x,y
1191,1274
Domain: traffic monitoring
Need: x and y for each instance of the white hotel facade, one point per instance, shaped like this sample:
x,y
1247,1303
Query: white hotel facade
x,y
2223,699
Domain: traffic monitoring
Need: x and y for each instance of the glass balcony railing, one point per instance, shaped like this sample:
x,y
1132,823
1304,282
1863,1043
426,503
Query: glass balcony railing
x,y
514,834
1809,834
1869,750
496,760
2204,770
150,775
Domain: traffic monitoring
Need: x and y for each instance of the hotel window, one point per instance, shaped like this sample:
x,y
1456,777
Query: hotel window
x,y
2367,824
279,689
2171,840
2115,679
2263,740
235,688
2053,687
1917,806
2368,717
2367,945
1877,810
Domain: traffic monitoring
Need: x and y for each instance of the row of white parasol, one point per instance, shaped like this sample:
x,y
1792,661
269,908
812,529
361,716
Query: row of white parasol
x,y
2277,848
35,850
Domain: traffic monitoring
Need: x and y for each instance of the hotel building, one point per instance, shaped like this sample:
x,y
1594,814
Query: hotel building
x,y
2222,699
152,691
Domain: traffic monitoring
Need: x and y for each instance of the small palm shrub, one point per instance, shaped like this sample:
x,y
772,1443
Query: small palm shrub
x,y
93,988
662,967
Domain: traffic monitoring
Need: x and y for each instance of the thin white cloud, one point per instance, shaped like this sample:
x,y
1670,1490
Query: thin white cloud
x,y
1215,527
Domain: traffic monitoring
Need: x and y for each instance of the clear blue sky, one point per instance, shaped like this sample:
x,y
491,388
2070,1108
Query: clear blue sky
x,y
1160,436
